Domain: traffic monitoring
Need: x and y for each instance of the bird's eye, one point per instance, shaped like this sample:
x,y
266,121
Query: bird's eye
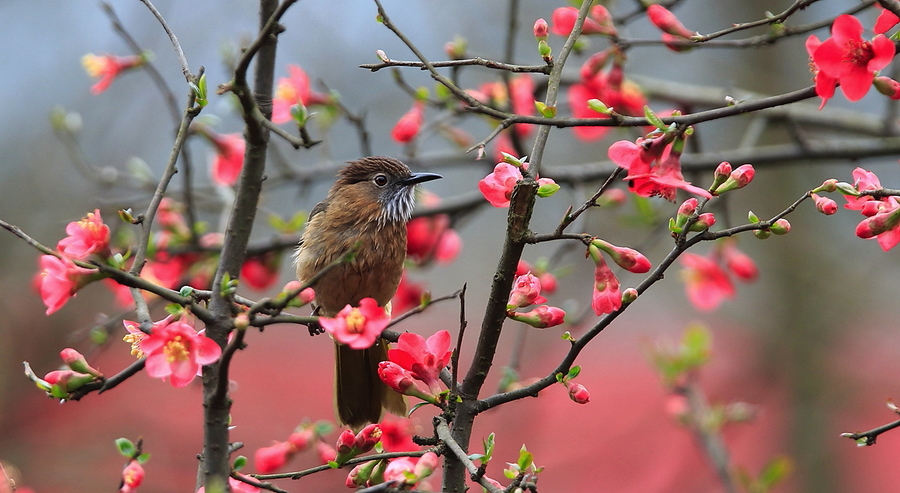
x,y
380,179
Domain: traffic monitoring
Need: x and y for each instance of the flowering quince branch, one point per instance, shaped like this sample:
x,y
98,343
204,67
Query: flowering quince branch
x,y
775,19
506,67
185,67
864,439
350,462
442,428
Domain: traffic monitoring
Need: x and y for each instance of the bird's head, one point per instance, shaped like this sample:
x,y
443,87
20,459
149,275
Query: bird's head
x,y
384,180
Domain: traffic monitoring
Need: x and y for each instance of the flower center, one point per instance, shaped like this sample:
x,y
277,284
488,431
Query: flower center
x,y
355,321
176,349
858,53
286,92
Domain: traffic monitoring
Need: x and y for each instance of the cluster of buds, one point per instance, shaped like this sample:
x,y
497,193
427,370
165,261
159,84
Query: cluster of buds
x,y
607,296
726,179
673,31
61,383
686,211
882,215
779,227
526,291
350,445
403,472
417,359
497,187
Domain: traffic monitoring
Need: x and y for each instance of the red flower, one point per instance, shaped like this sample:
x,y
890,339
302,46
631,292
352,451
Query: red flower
x,y
886,20
598,21
653,168
521,91
60,278
825,84
357,327
409,124
396,436
864,181
850,59
579,393
174,349
229,158
272,458
132,477
408,295
707,284
526,291
261,272
739,263
497,187
424,359
293,90
885,226
108,67
86,236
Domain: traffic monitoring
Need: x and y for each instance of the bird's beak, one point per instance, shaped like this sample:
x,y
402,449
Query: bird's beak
x,y
420,178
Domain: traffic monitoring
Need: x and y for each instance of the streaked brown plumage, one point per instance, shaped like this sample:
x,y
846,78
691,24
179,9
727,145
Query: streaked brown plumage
x,y
368,205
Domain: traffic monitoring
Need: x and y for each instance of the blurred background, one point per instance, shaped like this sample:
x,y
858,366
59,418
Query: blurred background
x,y
812,343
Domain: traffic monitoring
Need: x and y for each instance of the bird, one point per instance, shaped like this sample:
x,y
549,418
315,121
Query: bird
x,y
366,209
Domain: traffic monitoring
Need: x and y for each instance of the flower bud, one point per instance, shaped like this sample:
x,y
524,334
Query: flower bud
x,y
762,234
666,21
540,317
825,205
367,438
627,258
526,291
887,86
738,178
781,227
395,376
541,29
270,459
326,452
241,321
546,187
829,185
872,226
629,295
685,211
871,207
302,437
704,222
723,171
76,362
345,442
579,393
426,465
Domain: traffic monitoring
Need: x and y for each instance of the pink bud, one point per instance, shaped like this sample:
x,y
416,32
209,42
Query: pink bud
x,y
667,22
395,376
345,442
781,227
629,295
526,291
271,458
871,207
541,29
548,282
739,178
825,205
869,227
723,169
426,465
75,361
738,262
409,124
887,86
704,221
579,393
301,438
829,185
688,207
540,317
367,438
627,258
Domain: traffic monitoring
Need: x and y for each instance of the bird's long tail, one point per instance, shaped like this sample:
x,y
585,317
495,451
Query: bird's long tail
x,y
359,395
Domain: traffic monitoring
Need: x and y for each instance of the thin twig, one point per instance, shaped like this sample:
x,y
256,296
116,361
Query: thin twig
x,y
443,433
185,67
477,61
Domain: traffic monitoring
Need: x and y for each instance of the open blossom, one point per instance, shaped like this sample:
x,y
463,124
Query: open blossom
x,y
653,168
60,278
358,327
87,236
409,124
598,21
825,84
132,477
423,358
851,60
293,90
521,97
706,282
865,181
396,435
175,350
108,67
885,226
272,458
497,187
228,159
609,87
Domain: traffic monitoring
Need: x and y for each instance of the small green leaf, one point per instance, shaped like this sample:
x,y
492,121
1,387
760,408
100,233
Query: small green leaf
x,y
560,378
174,309
186,291
526,459
334,465
654,119
474,457
143,458
125,446
239,463
598,106
422,94
488,448
510,474
753,218
573,372
775,471
414,408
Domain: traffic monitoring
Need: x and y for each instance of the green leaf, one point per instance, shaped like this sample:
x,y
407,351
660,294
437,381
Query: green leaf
x,y
125,446
334,465
422,93
697,344
598,106
186,291
143,458
573,372
560,378
173,309
753,218
654,119
239,463
488,447
526,458
417,406
474,457
510,474
775,471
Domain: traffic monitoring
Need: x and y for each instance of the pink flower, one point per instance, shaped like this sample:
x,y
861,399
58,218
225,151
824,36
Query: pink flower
x,y
293,90
863,181
367,438
261,272
272,458
357,327
174,349
707,284
395,376
108,67
825,84
883,226
850,59
86,236
424,359
886,20
229,158
651,175
610,88
60,278
132,477
579,393
739,263
598,21
497,187
409,124
666,21
396,436
541,317
606,296
526,291
400,470
825,205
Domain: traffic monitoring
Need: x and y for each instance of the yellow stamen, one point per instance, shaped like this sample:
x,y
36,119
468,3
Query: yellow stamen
x,y
355,321
175,350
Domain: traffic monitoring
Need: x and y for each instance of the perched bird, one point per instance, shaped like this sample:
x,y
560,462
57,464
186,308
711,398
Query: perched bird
x,y
367,208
